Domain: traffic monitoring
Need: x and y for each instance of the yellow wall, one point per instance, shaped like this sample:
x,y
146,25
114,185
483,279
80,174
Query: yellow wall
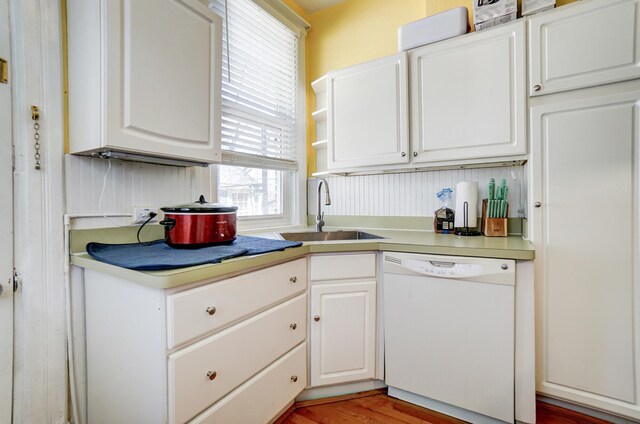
x,y
359,30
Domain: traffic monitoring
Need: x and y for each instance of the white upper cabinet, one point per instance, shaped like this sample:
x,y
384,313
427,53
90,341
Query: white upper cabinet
x,y
584,44
468,96
367,122
144,78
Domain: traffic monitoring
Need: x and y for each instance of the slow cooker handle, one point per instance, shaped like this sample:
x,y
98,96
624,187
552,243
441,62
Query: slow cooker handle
x,y
169,223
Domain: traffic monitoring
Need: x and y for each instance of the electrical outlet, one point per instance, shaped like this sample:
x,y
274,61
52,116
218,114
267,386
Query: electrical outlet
x,y
141,214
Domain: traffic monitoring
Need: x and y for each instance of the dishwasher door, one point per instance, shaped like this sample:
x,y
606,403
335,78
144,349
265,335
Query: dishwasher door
x,y
449,331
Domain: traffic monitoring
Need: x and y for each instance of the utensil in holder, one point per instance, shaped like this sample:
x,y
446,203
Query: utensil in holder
x,y
493,227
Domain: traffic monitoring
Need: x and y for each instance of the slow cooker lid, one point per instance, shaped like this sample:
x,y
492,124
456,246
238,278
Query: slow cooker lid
x,y
200,206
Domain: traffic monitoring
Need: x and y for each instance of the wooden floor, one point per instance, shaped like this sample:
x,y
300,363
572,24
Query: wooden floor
x,y
382,409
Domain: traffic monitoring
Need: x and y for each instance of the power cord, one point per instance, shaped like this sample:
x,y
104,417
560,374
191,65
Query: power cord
x,y
146,243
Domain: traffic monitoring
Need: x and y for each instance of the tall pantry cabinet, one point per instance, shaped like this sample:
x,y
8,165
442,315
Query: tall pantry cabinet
x,y
585,194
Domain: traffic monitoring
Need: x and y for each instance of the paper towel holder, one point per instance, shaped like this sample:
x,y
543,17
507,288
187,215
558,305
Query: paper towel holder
x,y
465,231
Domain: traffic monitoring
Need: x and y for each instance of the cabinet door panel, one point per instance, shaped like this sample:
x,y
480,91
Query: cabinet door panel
x,y
586,235
343,339
163,91
367,114
583,45
468,97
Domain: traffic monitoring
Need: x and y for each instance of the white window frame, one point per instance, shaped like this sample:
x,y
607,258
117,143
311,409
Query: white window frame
x,y
294,195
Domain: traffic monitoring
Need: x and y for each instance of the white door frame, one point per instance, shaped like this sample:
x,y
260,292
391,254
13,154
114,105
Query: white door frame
x,y
6,227
40,376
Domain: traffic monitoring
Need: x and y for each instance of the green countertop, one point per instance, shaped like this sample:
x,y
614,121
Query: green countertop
x,y
411,241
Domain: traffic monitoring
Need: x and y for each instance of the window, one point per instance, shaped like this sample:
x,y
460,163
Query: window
x,y
262,140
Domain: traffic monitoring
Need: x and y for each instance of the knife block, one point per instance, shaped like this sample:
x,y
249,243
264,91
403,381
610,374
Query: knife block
x,y
493,227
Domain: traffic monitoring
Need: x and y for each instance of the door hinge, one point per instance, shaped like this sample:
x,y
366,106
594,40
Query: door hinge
x,y
4,71
16,280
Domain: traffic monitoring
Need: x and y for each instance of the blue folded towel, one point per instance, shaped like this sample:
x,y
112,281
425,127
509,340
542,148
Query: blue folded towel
x,y
158,255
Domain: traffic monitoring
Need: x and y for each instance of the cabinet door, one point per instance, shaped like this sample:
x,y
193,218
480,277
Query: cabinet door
x,y
368,114
468,97
343,328
584,44
586,158
162,88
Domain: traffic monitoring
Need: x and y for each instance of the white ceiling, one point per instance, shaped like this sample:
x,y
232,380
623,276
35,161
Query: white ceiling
x,y
312,6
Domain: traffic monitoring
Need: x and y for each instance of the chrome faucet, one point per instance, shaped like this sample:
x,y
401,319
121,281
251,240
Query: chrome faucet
x,y
327,201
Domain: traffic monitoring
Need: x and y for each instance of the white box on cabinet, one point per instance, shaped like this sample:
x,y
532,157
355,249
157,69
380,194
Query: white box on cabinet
x,y
434,28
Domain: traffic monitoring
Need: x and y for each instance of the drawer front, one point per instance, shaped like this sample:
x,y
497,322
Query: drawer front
x,y
265,395
341,267
234,355
191,313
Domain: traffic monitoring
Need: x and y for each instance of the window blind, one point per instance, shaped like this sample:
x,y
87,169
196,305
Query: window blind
x,y
259,83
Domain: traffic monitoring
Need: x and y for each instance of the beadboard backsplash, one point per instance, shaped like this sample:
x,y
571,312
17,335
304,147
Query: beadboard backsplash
x,y
413,193
128,184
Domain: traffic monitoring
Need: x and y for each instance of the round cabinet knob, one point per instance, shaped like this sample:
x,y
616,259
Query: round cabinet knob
x,y
537,204
415,154
212,375
403,154
293,326
504,267
211,310
293,279
316,318
537,87
294,378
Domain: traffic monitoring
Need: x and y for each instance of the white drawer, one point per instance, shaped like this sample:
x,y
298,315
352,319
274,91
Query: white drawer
x,y
265,395
233,299
341,267
235,355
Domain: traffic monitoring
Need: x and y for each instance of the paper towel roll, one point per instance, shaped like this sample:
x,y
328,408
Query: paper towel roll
x,y
466,192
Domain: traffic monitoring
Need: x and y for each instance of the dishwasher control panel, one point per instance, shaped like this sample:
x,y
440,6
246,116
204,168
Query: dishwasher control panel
x,y
441,268
496,271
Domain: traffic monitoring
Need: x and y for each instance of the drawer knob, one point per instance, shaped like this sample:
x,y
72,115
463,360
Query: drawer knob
x,y
504,267
403,154
415,154
294,378
293,279
293,326
537,87
537,204
211,310
316,318
212,375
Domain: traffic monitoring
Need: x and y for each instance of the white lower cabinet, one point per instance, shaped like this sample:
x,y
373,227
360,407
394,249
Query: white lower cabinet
x,y
586,237
263,395
343,319
204,372
243,361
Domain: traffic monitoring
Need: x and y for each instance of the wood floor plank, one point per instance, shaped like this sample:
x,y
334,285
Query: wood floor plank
x,y
383,409
547,413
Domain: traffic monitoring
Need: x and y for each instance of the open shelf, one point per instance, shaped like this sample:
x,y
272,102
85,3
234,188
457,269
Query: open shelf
x,y
320,114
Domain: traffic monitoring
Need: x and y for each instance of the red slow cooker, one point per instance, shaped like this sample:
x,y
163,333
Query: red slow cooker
x,y
199,224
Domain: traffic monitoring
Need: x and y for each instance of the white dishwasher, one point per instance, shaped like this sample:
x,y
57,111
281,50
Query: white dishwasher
x,y
449,334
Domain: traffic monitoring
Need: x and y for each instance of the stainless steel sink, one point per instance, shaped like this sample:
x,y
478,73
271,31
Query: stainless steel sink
x,y
329,236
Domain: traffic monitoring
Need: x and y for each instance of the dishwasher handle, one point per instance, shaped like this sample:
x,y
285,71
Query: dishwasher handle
x,y
442,264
